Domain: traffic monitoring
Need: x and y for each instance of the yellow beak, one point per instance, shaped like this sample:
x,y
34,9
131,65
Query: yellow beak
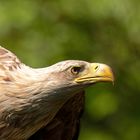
x,y
96,73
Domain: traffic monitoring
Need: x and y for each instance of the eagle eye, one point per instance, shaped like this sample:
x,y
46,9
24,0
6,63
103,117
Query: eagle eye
x,y
75,70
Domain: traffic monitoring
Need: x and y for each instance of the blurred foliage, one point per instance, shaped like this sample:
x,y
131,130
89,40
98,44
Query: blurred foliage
x,y
43,32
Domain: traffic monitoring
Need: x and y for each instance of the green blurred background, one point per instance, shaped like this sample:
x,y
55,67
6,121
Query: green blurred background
x,y
43,32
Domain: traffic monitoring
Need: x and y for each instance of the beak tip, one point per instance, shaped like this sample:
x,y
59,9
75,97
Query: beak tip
x,y
106,72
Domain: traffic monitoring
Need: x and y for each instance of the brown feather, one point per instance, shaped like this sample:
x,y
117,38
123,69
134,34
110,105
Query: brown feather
x,y
65,125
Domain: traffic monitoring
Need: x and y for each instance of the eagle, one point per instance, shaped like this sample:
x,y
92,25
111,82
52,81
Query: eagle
x,y
45,103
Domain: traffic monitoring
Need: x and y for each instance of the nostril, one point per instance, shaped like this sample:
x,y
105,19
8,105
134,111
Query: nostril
x,y
96,67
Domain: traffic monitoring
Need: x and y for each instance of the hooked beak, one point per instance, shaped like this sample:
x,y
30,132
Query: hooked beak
x,y
96,73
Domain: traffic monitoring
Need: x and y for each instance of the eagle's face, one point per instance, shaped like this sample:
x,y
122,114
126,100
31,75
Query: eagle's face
x,y
73,74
